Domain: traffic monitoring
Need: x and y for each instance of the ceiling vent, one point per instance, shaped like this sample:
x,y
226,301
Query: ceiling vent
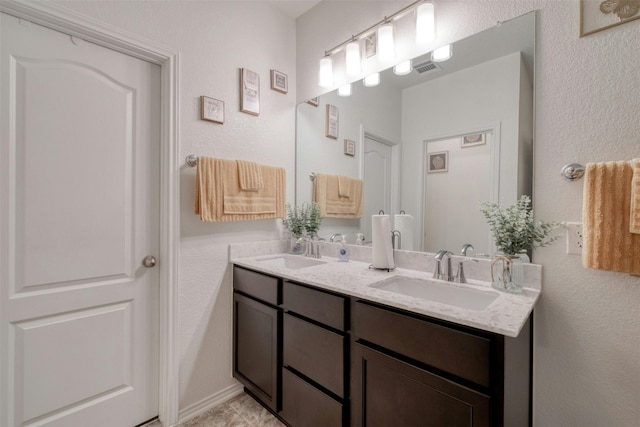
x,y
427,67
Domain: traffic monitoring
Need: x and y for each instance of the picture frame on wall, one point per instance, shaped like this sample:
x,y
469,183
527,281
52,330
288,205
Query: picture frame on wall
x,y
599,15
438,162
279,81
249,92
473,140
211,110
349,147
332,122
313,101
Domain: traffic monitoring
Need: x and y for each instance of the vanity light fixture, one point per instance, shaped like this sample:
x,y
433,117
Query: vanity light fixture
x,y
345,90
425,30
386,46
353,58
402,68
442,53
371,80
325,76
425,23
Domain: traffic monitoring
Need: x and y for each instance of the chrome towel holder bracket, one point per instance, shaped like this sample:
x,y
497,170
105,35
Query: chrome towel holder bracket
x,y
572,171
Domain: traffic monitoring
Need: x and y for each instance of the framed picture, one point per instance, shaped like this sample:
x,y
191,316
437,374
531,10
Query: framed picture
x,y
211,109
438,162
598,15
249,92
349,147
474,139
279,81
313,101
331,126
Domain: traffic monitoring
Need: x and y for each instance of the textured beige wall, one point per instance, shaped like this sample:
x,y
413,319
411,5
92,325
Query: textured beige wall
x,y
587,343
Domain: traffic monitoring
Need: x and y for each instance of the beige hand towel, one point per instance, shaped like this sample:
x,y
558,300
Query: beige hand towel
x,y
326,194
634,225
344,186
219,197
608,244
249,176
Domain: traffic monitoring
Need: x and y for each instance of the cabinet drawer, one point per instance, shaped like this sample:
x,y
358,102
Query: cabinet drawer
x,y
305,406
315,352
257,285
317,305
460,353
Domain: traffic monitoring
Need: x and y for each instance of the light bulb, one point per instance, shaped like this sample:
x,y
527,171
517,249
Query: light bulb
x,y
441,54
371,80
425,23
345,90
402,68
353,58
386,48
325,75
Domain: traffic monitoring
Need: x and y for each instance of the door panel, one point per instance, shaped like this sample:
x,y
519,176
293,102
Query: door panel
x,y
79,206
377,182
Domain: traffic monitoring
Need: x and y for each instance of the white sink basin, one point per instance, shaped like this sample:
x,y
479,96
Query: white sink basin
x,y
450,294
293,262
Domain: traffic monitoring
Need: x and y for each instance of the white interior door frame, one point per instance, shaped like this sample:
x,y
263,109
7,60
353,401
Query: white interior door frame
x,y
64,20
395,164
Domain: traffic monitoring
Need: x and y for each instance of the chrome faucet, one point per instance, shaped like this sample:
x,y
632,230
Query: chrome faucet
x,y
465,248
332,239
437,273
305,241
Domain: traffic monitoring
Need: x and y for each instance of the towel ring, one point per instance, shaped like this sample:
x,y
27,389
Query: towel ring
x,y
572,171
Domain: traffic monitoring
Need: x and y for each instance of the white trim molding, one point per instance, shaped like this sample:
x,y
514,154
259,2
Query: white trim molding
x,y
210,402
69,22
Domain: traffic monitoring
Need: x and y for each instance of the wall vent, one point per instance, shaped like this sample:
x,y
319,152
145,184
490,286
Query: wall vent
x,y
427,66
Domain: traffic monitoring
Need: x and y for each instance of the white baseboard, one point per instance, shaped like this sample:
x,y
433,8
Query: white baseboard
x,y
209,402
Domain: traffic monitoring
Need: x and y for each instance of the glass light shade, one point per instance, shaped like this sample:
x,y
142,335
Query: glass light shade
x,y
345,90
402,68
441,54
371,80
325,75
353,58
425,23
386,48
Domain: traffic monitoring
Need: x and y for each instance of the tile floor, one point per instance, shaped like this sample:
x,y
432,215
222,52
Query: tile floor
x,y
241,411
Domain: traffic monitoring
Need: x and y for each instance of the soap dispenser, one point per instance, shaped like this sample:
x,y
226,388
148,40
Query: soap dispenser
x,y
343,251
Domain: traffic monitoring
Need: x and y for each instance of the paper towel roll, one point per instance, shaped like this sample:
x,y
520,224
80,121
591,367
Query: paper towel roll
x,y
381,241
404,224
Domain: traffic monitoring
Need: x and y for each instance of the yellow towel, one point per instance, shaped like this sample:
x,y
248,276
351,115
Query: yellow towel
x,y
326,194
608,244
344,186
219,197
249,176
634,225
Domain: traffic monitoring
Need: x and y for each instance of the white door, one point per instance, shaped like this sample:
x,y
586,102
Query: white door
x,y
377,181
79,211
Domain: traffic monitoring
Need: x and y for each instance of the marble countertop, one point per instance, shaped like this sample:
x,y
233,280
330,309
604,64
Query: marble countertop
x,y
506,315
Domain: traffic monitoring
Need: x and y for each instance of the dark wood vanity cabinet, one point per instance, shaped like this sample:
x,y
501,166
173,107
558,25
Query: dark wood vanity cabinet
x,y
315,357
412,370
318,358
257,325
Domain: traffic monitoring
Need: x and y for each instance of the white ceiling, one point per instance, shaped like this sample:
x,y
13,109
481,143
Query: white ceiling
x,y
294,8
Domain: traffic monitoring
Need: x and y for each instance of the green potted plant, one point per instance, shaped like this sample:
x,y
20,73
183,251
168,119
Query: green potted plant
x,y
515,233
313,219
303,220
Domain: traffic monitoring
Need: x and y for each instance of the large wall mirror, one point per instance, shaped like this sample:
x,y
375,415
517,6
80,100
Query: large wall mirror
x,y
432,143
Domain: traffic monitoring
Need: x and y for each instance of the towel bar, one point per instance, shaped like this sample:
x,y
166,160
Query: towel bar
x,y
572,171
191,160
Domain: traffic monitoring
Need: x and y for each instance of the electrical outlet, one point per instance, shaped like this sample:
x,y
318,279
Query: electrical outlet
x,y
574,238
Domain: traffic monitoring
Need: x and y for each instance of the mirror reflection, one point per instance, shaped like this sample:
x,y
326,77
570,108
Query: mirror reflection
x,y
431,143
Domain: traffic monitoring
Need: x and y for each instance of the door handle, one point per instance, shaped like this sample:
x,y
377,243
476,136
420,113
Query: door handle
x,y
149,261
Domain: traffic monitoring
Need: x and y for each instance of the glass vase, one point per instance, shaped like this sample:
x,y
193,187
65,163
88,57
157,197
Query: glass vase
x,y
296,244
507,273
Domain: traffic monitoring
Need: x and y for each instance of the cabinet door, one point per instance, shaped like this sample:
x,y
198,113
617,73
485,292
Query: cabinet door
x,y
389,392
257,354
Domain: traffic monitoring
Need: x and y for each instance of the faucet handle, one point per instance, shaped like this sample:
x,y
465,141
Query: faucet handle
x,y
460,277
